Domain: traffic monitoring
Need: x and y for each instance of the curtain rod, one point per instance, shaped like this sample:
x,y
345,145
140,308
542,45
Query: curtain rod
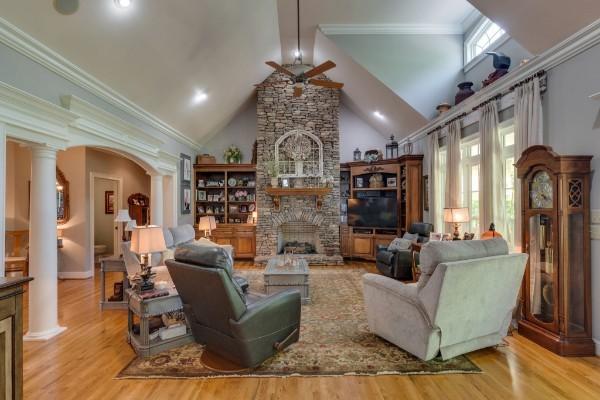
x,y
497,97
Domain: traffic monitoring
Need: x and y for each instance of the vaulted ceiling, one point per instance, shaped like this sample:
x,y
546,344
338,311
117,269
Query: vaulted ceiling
x,y
158,53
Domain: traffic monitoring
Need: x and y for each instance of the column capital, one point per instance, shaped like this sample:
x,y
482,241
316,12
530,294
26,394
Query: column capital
x,y
43,151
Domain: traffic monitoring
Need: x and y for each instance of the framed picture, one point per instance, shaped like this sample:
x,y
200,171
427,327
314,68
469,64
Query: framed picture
x,y
243,208
426,192
436,236
285,182
359,182
186,200
186,168
201,195
447,237
391,182
109,202
201,183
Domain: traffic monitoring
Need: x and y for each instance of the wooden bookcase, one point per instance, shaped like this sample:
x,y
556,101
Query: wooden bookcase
x,y
377,179
227,192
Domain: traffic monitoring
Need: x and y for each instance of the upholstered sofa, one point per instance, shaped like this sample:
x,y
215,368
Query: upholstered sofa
x,y
462,302
397,263
241,328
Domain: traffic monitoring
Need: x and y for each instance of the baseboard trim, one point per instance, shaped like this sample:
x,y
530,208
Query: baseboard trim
x,y
43,336
75,275
597,342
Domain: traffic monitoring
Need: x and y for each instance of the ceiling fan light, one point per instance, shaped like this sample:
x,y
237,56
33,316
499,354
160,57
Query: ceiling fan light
x,y
123,3
298,56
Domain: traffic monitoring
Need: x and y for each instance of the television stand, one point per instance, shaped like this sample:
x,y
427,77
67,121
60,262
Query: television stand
x,y
362,242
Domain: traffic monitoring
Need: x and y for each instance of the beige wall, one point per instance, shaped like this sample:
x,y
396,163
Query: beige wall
x,y
18,173
104,224
77,164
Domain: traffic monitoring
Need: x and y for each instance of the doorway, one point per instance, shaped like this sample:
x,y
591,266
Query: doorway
x,y
105,200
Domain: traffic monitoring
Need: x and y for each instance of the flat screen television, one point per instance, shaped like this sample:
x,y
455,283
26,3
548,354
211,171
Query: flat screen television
x,y
373,212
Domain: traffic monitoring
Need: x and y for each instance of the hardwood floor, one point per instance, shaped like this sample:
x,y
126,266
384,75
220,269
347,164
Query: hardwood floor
x,y
83,361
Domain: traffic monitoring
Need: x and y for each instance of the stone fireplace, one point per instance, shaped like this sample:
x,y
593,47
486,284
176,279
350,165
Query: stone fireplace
x,y
309,124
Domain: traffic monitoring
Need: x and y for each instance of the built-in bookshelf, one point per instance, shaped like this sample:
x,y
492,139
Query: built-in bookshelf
x,y
225,191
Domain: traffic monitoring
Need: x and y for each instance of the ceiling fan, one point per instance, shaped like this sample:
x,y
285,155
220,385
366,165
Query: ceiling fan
x,y
302,74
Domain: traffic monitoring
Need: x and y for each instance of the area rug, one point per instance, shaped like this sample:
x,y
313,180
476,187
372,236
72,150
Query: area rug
x,y
334,340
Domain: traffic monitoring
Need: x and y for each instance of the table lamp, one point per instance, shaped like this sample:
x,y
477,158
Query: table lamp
x,y
123,216
146,240
207,224
456,215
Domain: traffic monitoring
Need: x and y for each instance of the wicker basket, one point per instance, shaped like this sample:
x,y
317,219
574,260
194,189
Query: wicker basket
x,y
205,159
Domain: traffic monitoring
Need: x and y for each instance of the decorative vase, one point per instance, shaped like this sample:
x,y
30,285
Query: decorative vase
x,y
465,91
274,182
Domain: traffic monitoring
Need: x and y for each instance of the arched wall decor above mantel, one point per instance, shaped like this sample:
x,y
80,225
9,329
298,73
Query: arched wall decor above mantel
x,y
299,154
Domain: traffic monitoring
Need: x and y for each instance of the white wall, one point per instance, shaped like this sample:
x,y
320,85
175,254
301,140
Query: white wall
x,y
421,69
572,126
18,173
354,132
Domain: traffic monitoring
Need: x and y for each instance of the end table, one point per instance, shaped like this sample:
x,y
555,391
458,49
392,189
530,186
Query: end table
x,y
112,264
146,308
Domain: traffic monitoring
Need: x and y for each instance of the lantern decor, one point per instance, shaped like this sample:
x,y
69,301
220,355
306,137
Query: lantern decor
x,y
391,149
357,155
491,233
408,147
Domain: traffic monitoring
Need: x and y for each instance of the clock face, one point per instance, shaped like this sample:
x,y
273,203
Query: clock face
x,y
540,190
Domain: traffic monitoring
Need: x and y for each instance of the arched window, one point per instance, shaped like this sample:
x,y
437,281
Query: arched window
x,y
483,37
299,153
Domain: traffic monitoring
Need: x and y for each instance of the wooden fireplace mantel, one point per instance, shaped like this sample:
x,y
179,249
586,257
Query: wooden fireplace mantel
x,y
277,193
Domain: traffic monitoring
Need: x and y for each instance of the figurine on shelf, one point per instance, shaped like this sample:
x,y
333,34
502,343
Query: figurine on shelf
x,y
465,91
501,64
443,107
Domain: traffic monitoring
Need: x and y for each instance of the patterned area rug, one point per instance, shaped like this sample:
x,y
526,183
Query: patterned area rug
x,y
334,340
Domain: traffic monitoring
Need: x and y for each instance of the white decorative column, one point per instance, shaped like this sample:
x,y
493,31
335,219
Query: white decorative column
x,y
43,290
2,195
156,200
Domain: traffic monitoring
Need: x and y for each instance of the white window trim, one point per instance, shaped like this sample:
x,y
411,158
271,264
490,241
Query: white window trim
x,y
481,25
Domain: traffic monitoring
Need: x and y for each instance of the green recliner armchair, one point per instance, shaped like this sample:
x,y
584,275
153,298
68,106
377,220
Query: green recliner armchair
x,y
242,328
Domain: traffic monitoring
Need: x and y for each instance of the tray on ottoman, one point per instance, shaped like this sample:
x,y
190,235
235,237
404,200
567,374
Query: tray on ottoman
x,y
281,276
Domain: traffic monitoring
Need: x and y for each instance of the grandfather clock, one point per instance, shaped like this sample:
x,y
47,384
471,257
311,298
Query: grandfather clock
x,y
556,293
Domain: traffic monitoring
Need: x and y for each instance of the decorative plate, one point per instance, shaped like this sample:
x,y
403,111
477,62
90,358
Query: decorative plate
x,y
232,182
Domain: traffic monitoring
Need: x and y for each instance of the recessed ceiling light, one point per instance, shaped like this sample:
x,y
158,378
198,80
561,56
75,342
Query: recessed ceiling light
x,y
123,3
378,115
199,97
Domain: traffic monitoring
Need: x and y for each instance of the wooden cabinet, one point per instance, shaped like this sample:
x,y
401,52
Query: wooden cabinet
x,y
362,243
556,293
241,236
228,192
362,246
11,337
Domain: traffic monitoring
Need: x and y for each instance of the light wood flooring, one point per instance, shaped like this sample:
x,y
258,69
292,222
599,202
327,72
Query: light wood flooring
x,y
82,362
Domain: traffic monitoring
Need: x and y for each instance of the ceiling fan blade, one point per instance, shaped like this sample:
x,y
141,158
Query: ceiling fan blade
x,y
319,69
297,91
327,84
279,68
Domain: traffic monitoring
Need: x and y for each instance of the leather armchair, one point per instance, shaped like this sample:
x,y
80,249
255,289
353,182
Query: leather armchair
x,y
397,264
243,329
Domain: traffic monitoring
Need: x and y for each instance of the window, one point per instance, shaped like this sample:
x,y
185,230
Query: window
x,y
483,36
470,162
507,135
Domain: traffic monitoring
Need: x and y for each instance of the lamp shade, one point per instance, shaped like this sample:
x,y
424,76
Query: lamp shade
x,y
123,216
207,223
130,225
147,239
456,215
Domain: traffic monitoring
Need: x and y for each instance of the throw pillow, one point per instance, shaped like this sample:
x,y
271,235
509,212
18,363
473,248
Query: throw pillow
x,y
399,244
413,237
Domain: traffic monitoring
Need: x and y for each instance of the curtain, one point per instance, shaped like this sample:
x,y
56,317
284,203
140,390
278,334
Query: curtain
x,y
452,187
492,180
528,132
434,193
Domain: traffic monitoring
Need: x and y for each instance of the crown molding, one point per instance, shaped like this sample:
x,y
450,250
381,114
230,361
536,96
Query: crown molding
x,y
551,58
20,41
391,29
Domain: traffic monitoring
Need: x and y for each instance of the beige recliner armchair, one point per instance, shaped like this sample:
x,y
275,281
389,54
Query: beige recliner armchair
x,y
463,301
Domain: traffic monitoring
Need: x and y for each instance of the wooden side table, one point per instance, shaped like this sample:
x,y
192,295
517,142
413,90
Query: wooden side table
x,y
112,264
146,308
416,248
